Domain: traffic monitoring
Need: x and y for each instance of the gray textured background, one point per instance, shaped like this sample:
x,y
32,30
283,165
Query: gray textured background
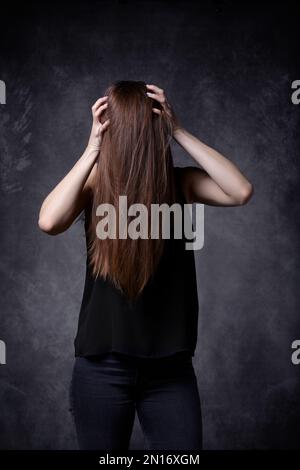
x,y
228,73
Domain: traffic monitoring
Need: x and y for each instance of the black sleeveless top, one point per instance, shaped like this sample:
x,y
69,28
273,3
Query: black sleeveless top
x,y
162,322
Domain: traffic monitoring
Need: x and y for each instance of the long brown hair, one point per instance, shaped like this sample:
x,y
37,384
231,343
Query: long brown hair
x,y
135,160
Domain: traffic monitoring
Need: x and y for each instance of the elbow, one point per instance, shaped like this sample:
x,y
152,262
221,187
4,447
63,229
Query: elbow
x,y
47,226
246,194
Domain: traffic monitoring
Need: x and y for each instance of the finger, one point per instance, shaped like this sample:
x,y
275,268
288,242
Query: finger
x,y
99,102
155,97
155,88
100,110
157,111
105,125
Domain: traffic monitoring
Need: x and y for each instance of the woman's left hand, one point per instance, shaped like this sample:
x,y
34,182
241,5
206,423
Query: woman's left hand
x,y
158,94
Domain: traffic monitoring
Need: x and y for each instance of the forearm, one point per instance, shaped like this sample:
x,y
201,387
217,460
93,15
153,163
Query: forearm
x,y
224,172
59,206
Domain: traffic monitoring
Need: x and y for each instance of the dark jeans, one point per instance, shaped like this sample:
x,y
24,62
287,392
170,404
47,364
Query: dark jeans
x,y
106,391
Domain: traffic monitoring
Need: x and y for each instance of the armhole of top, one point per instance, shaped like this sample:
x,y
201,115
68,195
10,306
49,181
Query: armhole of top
x,y
87,211
178,175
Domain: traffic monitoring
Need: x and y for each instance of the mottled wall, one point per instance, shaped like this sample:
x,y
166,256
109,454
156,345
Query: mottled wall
x,y
228,73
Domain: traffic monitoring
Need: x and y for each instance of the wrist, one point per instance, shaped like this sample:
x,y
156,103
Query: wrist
x,y
178,131
93,147
91,152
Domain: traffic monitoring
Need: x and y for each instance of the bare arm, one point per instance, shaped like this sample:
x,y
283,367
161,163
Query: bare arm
x,y
219,182
69,197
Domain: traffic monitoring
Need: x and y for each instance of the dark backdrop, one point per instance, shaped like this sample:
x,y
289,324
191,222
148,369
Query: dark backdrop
x,y
227,69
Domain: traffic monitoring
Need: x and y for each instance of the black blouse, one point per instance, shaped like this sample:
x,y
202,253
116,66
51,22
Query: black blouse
x,y
162,322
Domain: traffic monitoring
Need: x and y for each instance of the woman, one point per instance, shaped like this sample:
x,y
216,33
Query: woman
x,y
137,327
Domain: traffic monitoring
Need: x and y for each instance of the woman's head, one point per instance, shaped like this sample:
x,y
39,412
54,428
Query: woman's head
x,y
135,160
136,137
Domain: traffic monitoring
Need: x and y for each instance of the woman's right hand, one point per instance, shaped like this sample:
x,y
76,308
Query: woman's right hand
x,y
71,195
98,128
